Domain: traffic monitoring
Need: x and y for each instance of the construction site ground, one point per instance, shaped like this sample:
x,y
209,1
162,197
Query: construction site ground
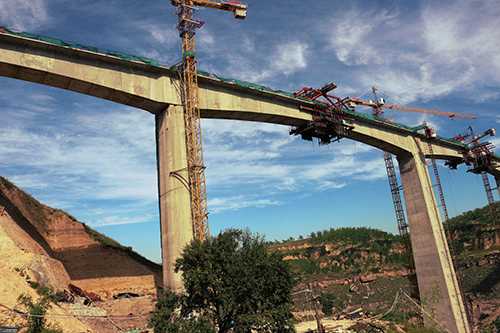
x,y
91,266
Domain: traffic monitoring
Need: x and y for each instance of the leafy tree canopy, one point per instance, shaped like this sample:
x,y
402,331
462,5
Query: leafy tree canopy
x,y
232,281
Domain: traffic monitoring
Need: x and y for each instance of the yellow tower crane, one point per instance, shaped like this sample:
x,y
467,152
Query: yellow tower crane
x,y
189,90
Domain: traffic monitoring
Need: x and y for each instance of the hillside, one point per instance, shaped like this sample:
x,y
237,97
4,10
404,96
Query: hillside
x,y
48,246
352,268
348,268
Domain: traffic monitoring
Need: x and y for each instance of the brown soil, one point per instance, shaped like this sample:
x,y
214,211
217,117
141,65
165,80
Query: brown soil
x,y
40,244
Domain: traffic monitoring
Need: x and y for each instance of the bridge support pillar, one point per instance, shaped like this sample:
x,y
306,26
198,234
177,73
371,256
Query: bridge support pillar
x,y
433,262
497,180
176,225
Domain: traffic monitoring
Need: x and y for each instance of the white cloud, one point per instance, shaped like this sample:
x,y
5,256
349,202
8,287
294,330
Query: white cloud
x,y
447,48
352,36
290,57
245,157
326,185
205,38
464,36
24,15
161,33
218,205
241,129
87,153
119,220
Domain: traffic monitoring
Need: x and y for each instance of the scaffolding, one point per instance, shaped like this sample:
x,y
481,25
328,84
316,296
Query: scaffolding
x,y
196,169
491,203
402,225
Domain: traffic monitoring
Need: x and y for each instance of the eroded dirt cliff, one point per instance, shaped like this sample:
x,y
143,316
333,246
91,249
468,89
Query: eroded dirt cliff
x,y
48,246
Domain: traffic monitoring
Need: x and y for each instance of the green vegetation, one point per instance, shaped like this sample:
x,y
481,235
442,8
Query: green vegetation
x,y
337,252
36,314
335,258
30,205
471,227
360,235
232,283
4,182
45,291
493,327
166,318
411,328
329,301
103,239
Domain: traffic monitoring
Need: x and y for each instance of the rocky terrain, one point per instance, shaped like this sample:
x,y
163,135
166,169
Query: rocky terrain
x,y
352,268
347,269
48,246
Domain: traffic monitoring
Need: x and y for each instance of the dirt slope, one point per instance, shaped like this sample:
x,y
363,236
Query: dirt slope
x,y
22,258
46,245
57,235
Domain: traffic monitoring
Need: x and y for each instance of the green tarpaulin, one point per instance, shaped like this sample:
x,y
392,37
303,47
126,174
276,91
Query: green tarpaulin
x,y
118,54
87,48
55,41
148,61
60,42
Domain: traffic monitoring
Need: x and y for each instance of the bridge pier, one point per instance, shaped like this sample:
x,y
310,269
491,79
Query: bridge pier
x,y
176,225
497,181
433,262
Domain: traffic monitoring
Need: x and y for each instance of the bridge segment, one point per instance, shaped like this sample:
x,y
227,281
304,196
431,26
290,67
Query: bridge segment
x,y
156,90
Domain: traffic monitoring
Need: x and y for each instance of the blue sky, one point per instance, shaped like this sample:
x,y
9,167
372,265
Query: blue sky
x,y
96,159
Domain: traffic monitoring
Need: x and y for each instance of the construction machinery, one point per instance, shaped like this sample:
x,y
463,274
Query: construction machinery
x,y
330,121
479,158
379,104
187,25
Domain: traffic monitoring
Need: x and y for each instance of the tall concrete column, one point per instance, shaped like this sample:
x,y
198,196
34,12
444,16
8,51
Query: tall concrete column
x,y
433,262
497,180
176,225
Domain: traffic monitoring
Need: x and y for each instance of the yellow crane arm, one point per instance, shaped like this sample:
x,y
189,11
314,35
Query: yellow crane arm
x,y
237,7
419,110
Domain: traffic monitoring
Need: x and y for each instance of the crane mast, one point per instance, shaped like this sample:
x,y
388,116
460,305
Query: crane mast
x,y
187,25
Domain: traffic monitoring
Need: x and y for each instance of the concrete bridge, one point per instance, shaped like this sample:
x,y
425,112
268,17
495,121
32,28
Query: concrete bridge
x,y
156,90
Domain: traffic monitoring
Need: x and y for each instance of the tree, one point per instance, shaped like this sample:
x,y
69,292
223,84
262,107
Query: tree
x,y
163,318
328,301
36,312
166,317
235,283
